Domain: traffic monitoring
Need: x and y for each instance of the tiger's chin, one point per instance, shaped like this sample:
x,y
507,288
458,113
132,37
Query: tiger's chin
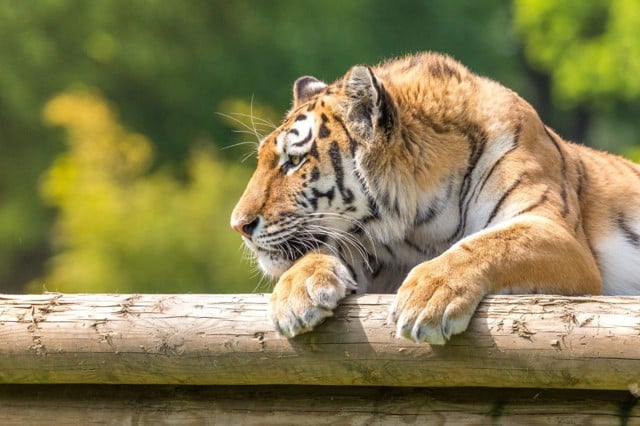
x,y
271,264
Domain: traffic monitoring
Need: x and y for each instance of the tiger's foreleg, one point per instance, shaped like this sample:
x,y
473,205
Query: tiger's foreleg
x,y
527,254
308,292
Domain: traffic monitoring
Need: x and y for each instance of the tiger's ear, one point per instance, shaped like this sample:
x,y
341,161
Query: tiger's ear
x,y
370,109
305,88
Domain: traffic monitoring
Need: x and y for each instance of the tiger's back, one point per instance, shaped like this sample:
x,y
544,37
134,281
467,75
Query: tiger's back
x,y
420,175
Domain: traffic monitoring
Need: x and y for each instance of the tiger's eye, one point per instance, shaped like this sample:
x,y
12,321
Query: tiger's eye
x,y
295,160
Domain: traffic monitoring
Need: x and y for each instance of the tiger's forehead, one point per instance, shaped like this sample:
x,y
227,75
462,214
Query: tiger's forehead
x,y
297,134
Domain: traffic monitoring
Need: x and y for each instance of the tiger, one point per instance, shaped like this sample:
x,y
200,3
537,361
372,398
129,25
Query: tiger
x,y
419,177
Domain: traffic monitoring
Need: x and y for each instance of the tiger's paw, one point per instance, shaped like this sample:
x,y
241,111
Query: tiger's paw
x,y
432,305
307,293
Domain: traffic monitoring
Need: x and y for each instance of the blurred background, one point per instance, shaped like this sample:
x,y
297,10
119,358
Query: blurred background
x,y
122,122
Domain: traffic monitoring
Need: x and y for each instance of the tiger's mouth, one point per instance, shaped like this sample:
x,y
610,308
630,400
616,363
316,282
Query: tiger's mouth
x,y
275,259
295,247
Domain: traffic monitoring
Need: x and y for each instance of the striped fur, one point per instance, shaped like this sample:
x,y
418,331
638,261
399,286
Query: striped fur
x,y
420,177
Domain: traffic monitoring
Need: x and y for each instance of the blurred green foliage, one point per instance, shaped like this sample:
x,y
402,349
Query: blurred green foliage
x,y
127,185
121,230
589,50
587,47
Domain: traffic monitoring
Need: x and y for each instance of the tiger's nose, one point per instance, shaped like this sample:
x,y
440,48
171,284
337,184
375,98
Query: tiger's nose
x,y
246,226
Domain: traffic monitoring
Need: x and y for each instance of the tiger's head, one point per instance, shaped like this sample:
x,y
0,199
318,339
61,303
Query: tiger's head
x,y
306,193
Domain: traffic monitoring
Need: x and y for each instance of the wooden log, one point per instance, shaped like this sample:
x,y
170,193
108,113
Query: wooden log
x,y
310,405
513,341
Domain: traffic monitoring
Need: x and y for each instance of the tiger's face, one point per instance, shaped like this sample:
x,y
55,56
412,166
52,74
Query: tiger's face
x,y
305,194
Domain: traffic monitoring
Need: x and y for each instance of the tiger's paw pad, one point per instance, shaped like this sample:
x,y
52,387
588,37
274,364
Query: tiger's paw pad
x,y
306,295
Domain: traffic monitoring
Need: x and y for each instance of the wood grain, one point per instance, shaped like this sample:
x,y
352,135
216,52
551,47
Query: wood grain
x,y
513,342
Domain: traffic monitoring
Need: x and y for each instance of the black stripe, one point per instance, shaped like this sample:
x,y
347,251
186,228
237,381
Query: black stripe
x,y
303,141
329,195
477,140
502,199
477,149
336,162
629,234
353,146
426,217
578,223
517,132
541,200
408,142
488,175
563,171
360,227
311,200
414,246
565,203
374,209
388,249
315,175
324,131
313,151
347,264
582,176
376,272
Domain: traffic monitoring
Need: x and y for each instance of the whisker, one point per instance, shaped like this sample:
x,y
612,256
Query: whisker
x,y
240,144
250,129
236,120
253,123
346,241
358,224
260,121
247,156
264,281
248,132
